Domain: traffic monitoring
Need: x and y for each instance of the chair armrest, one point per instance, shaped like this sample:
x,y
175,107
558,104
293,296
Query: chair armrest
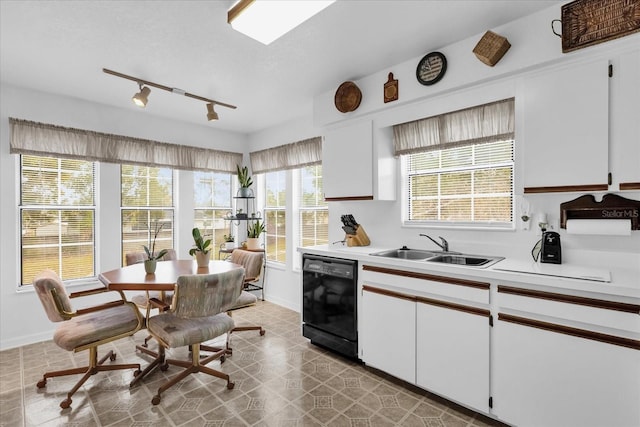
x,y
96,291
95,308
160,305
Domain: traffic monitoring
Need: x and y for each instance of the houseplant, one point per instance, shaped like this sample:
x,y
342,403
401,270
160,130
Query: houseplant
x,y
152,258
244,179
201,248
229,241
253,234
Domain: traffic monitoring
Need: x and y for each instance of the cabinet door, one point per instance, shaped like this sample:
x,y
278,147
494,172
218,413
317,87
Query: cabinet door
x,y
347,162
453,354
545,378
625,122
565,134
388,333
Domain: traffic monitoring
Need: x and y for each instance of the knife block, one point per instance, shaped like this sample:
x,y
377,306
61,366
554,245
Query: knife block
x,y
358,239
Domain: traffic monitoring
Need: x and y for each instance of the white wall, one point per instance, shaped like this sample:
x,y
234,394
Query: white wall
x,y
22,317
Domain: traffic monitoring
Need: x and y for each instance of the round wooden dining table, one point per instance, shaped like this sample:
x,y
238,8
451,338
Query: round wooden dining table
x,y
134,278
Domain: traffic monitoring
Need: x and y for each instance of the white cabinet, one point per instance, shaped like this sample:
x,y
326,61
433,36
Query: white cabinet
x,y
452,353
358,163
565,129
625,122
564,360
546,378
388,335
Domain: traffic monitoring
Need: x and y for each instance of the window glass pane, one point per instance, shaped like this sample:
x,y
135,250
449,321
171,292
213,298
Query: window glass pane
x,y
275,215
212,201
313,210
147,207
471,184
57,217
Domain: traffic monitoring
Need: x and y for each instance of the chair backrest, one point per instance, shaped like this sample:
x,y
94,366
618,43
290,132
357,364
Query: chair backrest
x,y
203,295
138,257
53,295
251,261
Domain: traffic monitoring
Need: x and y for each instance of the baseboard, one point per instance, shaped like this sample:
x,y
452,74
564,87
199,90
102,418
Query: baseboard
x,y
25,340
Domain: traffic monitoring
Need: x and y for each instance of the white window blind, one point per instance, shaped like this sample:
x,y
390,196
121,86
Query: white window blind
x,y
313,210
147,205
57,217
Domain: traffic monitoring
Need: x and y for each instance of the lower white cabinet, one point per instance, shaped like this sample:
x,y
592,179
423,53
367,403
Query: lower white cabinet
x,y
388,339
452,353
547,378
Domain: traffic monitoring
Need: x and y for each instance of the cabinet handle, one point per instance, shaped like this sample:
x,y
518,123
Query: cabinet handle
x,y
385,292
575,332
571,299
424,276
453,306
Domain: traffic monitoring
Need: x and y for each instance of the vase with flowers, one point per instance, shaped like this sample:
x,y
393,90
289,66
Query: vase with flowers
x,y
150,263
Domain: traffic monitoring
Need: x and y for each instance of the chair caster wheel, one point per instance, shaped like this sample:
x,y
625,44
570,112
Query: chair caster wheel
x,y
137,372
156,399
164,367
112,357
42,383
222,359
262,332
231,385
65,403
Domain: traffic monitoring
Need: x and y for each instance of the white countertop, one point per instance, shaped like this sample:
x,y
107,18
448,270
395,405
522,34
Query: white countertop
x,y
618,282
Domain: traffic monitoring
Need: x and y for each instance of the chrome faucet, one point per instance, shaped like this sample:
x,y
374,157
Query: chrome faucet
x,y
444,245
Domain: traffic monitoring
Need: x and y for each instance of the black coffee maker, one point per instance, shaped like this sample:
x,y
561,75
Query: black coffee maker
x,y
551,251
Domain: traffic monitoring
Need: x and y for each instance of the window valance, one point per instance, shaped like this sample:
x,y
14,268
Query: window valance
x,y
290,156
43,139
483,123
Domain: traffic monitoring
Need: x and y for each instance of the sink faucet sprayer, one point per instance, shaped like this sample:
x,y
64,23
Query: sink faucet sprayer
x,y
444,245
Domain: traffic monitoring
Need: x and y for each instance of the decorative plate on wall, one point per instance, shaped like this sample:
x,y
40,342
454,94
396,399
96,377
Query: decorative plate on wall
x,y
348,97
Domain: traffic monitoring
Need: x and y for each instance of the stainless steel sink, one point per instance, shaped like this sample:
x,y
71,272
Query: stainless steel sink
x,y
466,260
406,253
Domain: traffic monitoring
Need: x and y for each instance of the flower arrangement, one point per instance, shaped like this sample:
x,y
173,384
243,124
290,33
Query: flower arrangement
x,y
151,253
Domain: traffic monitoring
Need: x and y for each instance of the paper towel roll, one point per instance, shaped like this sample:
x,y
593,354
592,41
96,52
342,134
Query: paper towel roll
x,y
607,227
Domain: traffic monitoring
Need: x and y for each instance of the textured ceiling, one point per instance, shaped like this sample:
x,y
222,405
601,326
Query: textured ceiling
x,y
62,46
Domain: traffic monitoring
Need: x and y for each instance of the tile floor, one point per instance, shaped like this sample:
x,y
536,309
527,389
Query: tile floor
x,y
280,380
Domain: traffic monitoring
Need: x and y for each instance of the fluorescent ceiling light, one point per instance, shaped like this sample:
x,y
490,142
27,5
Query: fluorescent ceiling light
x,y
266,20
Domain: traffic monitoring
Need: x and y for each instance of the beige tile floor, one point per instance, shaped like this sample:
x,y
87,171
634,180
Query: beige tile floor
x,y
281,380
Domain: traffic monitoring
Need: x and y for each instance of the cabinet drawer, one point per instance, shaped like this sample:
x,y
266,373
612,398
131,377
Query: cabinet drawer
x,y
425,284
593,311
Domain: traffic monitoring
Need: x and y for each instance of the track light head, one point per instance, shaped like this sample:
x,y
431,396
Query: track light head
x,y
140,98
211,115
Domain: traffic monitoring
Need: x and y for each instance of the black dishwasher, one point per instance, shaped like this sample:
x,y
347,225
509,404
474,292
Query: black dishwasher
x,y
329,303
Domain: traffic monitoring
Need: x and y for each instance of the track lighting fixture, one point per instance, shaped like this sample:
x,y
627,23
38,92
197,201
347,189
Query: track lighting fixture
x,y
211,115
140,98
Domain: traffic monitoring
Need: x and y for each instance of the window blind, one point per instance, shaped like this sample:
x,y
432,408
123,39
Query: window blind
x,y
290,156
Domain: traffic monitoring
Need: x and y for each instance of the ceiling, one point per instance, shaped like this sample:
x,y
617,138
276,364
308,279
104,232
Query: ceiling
x,y
62,46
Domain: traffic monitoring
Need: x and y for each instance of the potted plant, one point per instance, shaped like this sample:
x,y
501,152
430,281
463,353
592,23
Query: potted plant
x,y
229,241
152,258
240,214
253,234
201,248
244,179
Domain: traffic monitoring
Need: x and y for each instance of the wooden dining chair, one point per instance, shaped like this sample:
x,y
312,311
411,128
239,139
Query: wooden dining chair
x,y
85,328
197,314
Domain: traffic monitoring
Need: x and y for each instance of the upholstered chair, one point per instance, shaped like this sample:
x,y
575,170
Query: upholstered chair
x,y
141,299
253,263
85,328
197,315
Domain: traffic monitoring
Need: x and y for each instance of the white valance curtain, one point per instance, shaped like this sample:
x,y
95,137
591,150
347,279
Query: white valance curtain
x,y
290,156
43,139
483,123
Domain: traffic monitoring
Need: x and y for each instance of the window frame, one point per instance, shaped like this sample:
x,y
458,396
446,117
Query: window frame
x,y
275,209
229,225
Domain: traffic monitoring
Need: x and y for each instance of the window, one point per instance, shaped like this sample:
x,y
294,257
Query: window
x,y
313,210
275,214
470,185
147,203
57,217
212,201
457,168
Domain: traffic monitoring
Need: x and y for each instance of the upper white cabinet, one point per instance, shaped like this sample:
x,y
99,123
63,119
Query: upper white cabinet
x,y
357,163
566,129
625,122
